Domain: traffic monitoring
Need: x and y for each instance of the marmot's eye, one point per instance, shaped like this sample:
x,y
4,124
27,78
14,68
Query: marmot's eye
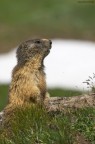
x,y
38,41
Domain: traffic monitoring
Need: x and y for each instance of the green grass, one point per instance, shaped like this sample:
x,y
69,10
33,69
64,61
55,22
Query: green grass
x,y
34,125
21,20
85,123
3,96
64,92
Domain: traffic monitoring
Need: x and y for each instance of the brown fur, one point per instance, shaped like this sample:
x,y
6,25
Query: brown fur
x,y
28,78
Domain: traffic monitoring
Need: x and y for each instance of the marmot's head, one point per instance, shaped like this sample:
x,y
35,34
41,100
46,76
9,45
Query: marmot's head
x,y
31,48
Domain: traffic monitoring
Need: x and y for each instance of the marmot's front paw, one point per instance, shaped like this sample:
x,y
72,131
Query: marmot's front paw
x,y
1,117
47,97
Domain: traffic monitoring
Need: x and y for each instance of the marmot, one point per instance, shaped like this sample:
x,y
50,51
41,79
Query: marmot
x,y
28,83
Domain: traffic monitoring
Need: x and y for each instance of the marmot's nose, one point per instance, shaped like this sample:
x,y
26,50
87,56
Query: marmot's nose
x,y
50,42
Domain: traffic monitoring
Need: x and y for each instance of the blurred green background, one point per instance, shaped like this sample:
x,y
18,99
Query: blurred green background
x,y
25,19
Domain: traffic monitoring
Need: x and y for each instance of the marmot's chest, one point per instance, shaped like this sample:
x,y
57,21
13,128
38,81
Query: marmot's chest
x,y
40,82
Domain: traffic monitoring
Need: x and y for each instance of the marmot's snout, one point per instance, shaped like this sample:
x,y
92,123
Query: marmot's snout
x,y
47,46
47,42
